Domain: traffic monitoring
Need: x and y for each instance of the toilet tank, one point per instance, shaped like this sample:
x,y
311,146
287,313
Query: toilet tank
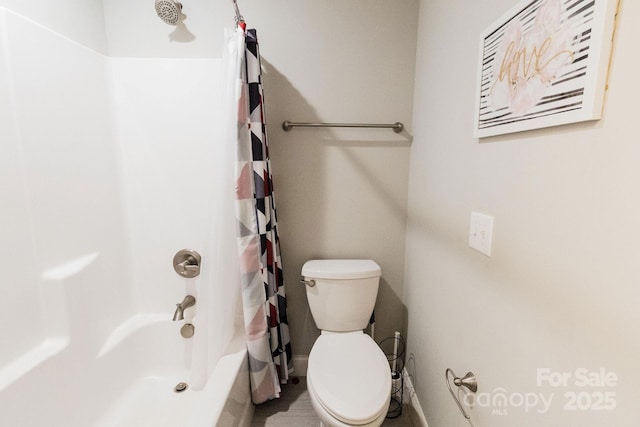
x,y
344,294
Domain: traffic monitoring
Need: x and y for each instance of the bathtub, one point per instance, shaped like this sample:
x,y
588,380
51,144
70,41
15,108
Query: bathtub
x,y
129,383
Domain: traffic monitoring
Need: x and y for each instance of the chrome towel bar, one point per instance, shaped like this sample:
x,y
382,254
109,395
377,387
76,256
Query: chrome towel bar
x,y
397,126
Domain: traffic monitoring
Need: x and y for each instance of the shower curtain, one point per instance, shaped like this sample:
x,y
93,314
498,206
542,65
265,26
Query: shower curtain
x,y
263,292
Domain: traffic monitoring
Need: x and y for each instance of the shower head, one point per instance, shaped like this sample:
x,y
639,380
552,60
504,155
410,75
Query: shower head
x,y
169,11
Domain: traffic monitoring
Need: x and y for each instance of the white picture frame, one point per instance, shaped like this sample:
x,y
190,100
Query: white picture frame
x,y
544,63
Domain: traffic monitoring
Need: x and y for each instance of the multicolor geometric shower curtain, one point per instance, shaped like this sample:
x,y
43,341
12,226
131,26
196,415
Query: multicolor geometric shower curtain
x,y
263,291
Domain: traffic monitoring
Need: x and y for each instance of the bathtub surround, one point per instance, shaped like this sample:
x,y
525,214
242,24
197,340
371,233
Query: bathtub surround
x,y
95,155
79,20
56,128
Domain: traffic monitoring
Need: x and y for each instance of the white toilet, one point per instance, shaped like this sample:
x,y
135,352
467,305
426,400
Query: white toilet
x,y
348,376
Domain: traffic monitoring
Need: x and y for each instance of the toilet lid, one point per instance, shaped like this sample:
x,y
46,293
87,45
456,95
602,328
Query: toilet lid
x,y
351,376
341,269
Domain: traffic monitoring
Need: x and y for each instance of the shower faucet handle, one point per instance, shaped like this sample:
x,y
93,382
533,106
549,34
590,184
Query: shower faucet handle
x,y
187,263
186,266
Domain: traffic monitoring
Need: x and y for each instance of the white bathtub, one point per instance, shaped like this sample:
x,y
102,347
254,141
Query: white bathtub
x,y
129,383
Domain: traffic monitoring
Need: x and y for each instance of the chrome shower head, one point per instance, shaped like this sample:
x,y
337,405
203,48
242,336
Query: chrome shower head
x,y
169,11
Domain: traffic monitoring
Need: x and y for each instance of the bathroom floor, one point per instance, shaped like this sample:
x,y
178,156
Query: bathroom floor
x,y
294,409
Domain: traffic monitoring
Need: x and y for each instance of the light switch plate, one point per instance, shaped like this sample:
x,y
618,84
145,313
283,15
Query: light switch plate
x,y
481,233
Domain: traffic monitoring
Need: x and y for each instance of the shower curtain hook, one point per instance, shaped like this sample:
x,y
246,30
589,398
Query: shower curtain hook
x,y
239,18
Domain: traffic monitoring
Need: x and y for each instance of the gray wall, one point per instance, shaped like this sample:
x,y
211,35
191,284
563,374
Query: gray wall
x,y
561,288
340,193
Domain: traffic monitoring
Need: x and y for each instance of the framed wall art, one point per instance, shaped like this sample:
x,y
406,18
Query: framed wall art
x,y
544,63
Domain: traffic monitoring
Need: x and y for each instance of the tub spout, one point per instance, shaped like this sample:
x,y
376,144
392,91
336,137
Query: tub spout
x,y
188,301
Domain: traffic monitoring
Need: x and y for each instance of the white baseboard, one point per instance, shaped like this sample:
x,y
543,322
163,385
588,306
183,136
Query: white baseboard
x,y
300,363
417,415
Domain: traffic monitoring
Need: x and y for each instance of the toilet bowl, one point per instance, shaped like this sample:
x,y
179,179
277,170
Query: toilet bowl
x,y
349,380
348,375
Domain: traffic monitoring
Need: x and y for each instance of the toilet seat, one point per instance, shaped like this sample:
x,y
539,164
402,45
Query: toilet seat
x,y
349,375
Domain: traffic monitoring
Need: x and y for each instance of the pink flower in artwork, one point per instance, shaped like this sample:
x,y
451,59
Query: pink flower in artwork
x,y
526,95
530,60
548,16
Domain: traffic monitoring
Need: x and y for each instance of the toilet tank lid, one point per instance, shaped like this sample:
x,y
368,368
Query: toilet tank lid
x,y
341,269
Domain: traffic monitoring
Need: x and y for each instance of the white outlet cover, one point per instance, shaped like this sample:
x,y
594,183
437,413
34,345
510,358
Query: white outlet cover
x,y
481,233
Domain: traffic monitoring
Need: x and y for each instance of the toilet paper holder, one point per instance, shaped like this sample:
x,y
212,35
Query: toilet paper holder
x,y
469,381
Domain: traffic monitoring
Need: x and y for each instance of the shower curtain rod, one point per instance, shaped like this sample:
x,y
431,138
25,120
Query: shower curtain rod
x,y
397,126
239,17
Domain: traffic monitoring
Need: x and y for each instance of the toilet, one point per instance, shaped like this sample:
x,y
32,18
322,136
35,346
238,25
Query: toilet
x,y
348,375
